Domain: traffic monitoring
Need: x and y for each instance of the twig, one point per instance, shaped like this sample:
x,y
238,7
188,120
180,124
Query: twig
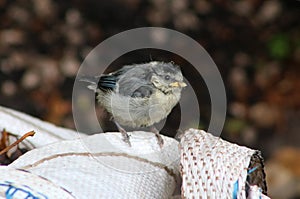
x,y
30,133
4,139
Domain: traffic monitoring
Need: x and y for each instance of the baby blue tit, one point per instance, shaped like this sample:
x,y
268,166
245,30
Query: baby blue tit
x,y
140,95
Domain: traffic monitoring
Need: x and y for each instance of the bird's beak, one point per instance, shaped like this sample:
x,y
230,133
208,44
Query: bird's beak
x,y
178,84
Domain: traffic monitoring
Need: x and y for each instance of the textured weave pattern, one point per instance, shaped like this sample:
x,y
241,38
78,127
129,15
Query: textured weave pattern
x,y
212,167
106,167
18,184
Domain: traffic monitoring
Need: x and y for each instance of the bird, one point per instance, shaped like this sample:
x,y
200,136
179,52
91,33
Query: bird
x,y
139,95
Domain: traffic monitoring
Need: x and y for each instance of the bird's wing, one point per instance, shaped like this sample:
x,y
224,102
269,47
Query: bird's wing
x,y
143,91
107,82
104,82
135,82
135,87
131,80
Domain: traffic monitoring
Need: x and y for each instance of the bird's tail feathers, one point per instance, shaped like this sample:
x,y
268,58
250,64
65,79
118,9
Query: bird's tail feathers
x,y
92,80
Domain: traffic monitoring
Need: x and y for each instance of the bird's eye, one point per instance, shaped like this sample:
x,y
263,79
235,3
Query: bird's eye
x,y
167,77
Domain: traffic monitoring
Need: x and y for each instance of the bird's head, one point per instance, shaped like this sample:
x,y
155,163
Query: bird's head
x,y
167,77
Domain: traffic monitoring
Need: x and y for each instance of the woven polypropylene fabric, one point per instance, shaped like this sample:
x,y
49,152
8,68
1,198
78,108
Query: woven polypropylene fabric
x,y
20,123
212,167
104,166
18,184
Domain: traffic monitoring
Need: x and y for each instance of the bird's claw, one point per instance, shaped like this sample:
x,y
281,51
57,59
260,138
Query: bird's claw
x,y
124,134
160,141
126,138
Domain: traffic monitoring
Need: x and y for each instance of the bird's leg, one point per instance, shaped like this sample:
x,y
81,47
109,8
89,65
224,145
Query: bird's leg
x,y
179,135
123,132
160,141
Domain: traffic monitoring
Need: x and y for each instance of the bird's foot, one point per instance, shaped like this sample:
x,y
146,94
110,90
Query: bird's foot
x,y
124,134
179,135
160,140
125,137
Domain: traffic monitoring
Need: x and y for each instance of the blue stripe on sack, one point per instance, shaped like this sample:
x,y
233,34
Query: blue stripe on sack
x,y
251,170
235,189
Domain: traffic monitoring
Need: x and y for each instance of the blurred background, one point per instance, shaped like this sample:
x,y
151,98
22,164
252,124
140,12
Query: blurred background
x,y
254,43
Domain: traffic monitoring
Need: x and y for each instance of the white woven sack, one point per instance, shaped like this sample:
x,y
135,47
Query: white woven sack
x,y
212,167
17,184
103,166
20,123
